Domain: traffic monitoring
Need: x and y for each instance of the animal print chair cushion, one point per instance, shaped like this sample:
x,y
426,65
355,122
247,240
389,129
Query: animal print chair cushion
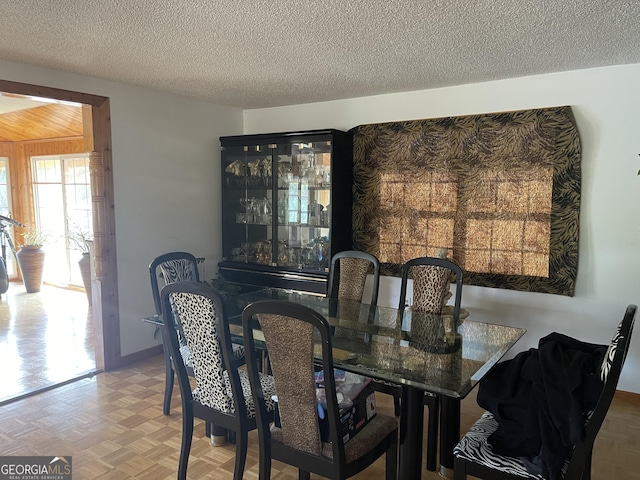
x,y
430,285
353,275
360,444
178,270
268,387
238,353
475,448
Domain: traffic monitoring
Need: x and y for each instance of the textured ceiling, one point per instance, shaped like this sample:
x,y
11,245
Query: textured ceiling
x,y
261,53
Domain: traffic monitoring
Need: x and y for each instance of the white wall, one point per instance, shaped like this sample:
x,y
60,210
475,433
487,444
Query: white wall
x,y
606,103
166,169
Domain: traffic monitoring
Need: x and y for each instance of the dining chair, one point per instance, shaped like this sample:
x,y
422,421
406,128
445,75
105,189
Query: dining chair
x,y
222,395
292,333
431,284
474,455
348,275
165,269
347,278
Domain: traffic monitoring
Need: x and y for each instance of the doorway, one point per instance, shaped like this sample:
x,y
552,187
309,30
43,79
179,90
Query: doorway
x,y
105,313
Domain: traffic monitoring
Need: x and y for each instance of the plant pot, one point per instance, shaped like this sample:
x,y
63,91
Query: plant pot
x,y
85,271
31,263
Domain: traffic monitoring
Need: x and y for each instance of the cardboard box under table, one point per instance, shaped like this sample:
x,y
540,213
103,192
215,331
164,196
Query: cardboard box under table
x,y
356,402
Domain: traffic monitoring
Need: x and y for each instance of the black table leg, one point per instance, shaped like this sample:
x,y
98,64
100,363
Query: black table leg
x,y
449,433
169,376
411,420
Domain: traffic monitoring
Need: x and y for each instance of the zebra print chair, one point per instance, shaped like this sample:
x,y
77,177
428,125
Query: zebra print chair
x,y
474,456
170,268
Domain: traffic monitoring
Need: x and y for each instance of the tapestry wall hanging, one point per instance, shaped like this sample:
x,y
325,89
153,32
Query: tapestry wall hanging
x,y
500,191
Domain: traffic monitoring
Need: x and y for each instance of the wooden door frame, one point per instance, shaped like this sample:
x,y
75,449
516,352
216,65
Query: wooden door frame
x,y
105,310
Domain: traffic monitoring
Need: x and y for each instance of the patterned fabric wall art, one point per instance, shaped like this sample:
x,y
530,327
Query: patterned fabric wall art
x,y
499,191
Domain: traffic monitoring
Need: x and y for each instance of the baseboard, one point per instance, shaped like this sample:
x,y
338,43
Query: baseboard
x,y
141,355
629,396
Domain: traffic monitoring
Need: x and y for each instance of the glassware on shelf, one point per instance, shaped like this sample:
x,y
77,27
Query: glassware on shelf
x,y
267,250
315,214
282,212
247,204
283,254
317,253
245,254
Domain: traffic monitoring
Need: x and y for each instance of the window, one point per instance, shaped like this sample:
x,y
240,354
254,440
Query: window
x,y
62,200
501,192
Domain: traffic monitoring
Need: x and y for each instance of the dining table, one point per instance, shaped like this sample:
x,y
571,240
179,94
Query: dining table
x,y
421,352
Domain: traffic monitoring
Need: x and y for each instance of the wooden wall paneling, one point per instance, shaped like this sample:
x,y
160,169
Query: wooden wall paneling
x,y
6,149
55,147
21,191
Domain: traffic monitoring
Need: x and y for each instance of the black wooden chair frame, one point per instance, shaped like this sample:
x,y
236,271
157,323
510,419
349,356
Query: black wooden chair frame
x,y
155,290
337,467
579,467
238,422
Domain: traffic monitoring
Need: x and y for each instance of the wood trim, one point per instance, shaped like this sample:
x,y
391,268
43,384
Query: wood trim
x,y
58,139
87,128
49,92
109,321
105,292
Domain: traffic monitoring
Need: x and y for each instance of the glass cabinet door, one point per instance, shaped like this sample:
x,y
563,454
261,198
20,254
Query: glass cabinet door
x,y
286,207
303,205
247,203
276,204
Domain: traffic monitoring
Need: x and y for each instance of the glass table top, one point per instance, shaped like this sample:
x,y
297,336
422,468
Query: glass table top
x,y
422,350
417,349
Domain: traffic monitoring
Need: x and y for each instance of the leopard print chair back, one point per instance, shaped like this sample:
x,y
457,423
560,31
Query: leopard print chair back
x,y
291,360
431,281
348,275
430,286
201,326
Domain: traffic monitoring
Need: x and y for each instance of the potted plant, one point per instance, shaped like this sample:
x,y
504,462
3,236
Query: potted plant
x,y
80,239
31,258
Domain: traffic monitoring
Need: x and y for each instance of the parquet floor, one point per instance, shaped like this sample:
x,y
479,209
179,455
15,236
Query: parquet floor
x,y
46,338
112,426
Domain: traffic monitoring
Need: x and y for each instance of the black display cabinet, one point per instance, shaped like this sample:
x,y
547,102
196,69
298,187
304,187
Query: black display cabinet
x,y
286,207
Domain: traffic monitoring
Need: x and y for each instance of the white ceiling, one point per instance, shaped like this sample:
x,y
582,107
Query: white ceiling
x,y
261,53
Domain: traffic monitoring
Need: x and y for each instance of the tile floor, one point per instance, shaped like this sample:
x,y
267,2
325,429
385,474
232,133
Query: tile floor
x,y
46,339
